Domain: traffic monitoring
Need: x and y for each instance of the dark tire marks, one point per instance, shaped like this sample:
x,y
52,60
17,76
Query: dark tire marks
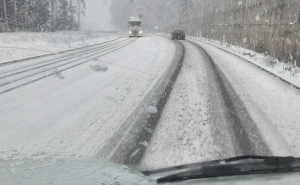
x,y
51,54
239,122
133,144
27,82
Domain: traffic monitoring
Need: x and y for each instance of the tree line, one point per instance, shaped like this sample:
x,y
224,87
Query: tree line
x,y
40,15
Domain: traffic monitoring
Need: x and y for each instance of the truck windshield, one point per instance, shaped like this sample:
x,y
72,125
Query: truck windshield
x,y
178,31
135,24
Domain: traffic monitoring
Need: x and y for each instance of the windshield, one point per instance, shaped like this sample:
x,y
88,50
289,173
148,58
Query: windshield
x,y
135,24
109,79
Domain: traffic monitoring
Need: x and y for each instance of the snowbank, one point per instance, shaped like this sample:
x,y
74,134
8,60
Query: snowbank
x,y
14,46
286,71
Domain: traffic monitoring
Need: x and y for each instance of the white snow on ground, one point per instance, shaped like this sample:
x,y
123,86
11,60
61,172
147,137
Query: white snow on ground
x,y
152,110
78,114
183,134
262,60
182,137
34,44
273,105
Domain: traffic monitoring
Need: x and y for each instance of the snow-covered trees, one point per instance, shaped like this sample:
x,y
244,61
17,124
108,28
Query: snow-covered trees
x,y
40,15
3,14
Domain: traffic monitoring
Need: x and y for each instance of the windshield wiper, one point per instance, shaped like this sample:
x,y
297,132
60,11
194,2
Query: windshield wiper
x,y
218,168
213,162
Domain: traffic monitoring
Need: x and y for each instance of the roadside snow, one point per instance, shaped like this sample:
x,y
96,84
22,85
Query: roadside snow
x,y
14,46
264,61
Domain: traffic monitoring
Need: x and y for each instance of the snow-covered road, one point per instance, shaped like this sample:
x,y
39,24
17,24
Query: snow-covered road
x,y
76,111
273,105
183,134
96,101
20,45
222,106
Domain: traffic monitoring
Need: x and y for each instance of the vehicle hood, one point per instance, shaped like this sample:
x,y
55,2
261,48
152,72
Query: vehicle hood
x,y
58,171
40,170
263,179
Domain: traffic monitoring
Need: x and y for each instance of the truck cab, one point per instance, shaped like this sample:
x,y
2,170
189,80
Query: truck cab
x,y
135,27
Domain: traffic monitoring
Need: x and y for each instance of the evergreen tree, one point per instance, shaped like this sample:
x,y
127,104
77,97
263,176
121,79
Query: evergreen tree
x,y
63,21
4,14
40,15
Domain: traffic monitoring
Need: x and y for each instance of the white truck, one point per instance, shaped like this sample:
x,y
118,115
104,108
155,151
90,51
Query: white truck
x,y
135,27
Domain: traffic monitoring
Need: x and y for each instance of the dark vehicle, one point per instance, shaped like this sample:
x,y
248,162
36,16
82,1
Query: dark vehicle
x,y
178,35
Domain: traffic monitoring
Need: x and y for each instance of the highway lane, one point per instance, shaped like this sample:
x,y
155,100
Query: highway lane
x,y
221,106
95,103
78,110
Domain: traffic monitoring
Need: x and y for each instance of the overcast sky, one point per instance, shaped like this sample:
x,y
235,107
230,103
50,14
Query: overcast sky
x,y
97,15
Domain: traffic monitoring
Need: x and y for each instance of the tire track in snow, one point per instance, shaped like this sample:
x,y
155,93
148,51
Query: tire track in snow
x,y
61,63
132,146
137,152
51,54
184,132
95,56
61,59
244,133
